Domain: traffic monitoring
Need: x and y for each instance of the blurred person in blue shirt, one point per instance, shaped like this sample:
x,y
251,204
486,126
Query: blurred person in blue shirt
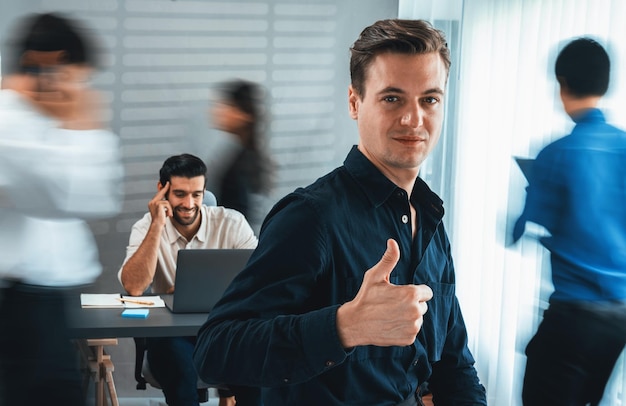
x,y
576,191
58,168
317,317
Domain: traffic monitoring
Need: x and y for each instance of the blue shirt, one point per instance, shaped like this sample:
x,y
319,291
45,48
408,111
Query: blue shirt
x,y
577,191
275,327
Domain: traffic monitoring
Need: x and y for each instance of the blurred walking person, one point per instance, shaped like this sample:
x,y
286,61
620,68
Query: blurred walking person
x,y
58,168
577,191
241,112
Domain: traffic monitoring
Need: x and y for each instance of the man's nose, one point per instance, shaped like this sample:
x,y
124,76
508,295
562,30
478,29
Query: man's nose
x,y
188,201
413,116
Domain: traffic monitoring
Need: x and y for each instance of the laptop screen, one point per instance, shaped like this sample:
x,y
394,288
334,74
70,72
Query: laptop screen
x,y
202,276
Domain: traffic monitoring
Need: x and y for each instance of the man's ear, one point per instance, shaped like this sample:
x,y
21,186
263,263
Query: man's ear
x,y
353,102
159,186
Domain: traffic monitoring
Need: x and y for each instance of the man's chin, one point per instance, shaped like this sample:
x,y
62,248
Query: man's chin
x,y
185,221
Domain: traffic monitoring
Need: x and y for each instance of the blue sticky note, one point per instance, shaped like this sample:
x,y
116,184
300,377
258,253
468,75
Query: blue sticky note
x,y
136,313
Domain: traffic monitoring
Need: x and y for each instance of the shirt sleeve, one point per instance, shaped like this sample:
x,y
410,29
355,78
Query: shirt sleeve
x,y
265,331
544,194
63,173
242,232
454,380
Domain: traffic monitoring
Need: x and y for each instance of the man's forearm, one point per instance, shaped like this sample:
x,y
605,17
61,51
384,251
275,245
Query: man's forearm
x,y
138,272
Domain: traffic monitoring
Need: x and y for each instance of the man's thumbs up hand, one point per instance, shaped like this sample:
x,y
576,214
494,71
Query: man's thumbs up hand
x,y
383,314
381,271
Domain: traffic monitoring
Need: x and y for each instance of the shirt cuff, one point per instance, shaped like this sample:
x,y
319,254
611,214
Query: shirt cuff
x,y
321,340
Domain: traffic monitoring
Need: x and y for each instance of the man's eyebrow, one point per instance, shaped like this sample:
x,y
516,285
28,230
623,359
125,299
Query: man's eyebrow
x,y
435,90
392,89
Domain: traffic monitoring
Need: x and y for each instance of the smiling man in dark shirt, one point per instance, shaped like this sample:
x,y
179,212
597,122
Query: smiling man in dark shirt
x,y
350,296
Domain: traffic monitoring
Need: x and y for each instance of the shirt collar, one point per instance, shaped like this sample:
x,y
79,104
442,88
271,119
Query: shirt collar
x,y
173,235
375,185
378,188
589,116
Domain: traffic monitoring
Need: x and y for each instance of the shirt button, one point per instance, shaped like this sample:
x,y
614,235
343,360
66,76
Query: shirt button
x,y
286,380
405,219
330,364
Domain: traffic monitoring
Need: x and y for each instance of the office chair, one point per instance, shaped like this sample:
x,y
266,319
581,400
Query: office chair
x,y
209,198
143,375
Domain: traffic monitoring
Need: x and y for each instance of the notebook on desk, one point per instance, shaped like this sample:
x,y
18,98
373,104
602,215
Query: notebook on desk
x,y
202,276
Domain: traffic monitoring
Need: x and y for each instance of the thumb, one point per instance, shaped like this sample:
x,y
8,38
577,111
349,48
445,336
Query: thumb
x,y
381,271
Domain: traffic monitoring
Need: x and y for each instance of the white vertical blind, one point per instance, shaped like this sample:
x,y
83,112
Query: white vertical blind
x,y
507,104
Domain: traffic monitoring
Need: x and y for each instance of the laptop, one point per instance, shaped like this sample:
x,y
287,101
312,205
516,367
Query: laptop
x,y
202,276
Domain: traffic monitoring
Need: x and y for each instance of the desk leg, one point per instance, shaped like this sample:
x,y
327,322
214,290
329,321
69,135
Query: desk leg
x,y
100,398
100,368
111,383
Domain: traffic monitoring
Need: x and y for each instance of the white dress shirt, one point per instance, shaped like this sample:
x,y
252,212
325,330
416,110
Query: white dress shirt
x,y
51,180
220,228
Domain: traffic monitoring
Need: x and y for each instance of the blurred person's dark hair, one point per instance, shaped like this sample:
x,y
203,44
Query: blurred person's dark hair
x,y
49,32
249,97
184,165
583,68
395,36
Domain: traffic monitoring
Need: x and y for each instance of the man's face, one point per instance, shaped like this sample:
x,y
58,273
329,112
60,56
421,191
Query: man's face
x,y
228,118
185,196
57,88
400,116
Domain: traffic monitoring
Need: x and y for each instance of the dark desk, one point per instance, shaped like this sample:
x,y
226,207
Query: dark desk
x,y
96,328
104,323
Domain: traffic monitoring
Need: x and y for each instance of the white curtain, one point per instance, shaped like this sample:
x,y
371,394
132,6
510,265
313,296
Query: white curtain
x,y
507,105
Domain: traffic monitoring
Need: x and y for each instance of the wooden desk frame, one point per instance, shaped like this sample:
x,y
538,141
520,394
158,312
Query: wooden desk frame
x,y
97,366
96,328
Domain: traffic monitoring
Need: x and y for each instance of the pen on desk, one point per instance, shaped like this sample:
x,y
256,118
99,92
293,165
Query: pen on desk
x,y
143,302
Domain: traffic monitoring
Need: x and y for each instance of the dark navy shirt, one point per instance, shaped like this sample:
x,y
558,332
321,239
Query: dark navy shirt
x,y
275,327
577,191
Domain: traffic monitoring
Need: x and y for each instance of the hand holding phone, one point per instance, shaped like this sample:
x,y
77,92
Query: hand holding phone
x,y
160,208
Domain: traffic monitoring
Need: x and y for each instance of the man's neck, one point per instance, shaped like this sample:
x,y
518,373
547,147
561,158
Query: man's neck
x,y
574,105
404,179
188,231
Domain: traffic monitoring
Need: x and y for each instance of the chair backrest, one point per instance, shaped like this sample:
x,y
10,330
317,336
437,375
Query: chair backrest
x,y
209,198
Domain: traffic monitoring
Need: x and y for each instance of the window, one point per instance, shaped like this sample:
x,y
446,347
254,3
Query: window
x,y
506,103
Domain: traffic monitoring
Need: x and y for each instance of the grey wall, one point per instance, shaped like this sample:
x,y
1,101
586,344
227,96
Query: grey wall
x,y
162,57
